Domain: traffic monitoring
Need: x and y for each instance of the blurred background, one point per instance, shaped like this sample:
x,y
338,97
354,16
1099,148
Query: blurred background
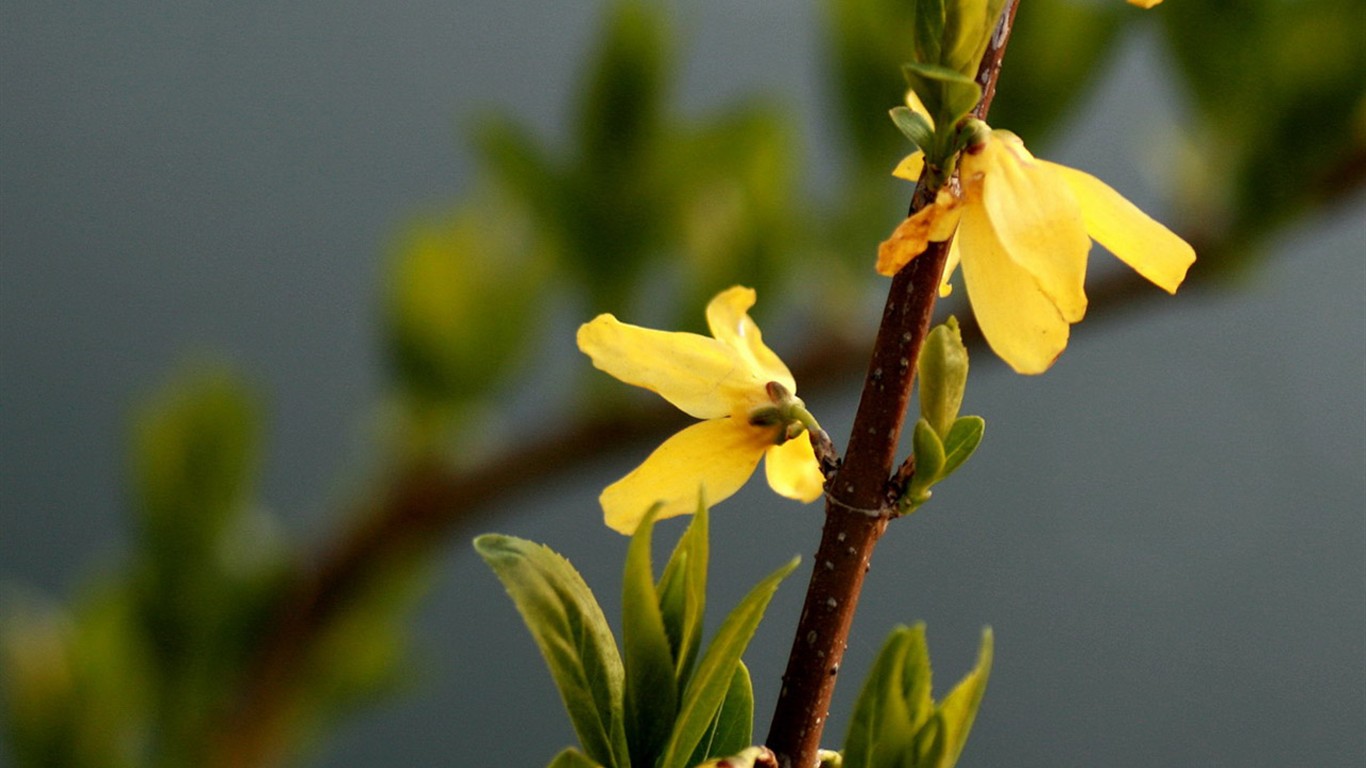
x,y
280,282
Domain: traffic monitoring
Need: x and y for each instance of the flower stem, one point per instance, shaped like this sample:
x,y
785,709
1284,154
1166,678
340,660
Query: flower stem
x,y
858,502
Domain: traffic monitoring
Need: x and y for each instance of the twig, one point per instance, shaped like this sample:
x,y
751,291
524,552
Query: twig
x,y
857,507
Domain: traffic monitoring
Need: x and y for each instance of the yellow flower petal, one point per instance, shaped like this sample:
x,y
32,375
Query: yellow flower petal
x,y
1130,234
714,457
917,106
729,320
935,221
1019,321
1036,218
1145,4
950,264
910,166
701,376
793,470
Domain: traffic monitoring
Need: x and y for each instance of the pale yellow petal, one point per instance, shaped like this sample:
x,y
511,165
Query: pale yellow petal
x,y
1145,4
793,470
701,376
917,106
950,264
1130,234
1037,220
1019,321
714,457
910,166
729,320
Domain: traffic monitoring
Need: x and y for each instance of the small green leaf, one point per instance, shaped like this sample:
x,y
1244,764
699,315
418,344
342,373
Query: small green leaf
x,y
959,708
929,30
569,628
927,750
651,696
913,126
943,375
194,456
682,593
733,727
709,684
966,34
929,454
880,728
572,758
948,97
962,441
960,96
916,677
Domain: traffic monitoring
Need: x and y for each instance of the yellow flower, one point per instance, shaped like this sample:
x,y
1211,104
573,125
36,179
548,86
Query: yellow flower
x,y
1145,4
1024,232
732,380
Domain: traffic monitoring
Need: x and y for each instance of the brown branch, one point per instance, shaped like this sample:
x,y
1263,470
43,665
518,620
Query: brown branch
x,y
857,505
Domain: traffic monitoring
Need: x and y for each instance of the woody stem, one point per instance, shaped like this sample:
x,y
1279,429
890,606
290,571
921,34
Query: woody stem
x,y
858,502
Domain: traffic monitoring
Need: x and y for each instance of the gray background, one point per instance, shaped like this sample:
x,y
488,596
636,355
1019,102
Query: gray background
x,y
1166,531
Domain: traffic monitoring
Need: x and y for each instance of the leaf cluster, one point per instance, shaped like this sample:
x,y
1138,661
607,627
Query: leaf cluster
x,y
942,440
173,639
896,722
661,701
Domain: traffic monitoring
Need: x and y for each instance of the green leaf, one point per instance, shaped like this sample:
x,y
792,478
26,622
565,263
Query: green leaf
x,y
572,758
959,708
709,685
683,594
929,30
929,454
966,34
195,451
733,727
573,636
947,95
963,438
866,41
943,374
651,696
913,126
927,749
622,111
1043,79
880,725
916,678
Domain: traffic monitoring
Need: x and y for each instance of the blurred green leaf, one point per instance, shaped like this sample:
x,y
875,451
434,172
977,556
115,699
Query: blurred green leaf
x,y
869,40
1277,87
622,109
573,636
462,300
195,454
928,747
1057,50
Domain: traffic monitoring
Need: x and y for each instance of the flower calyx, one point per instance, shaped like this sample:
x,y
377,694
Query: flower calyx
x,y
785,413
